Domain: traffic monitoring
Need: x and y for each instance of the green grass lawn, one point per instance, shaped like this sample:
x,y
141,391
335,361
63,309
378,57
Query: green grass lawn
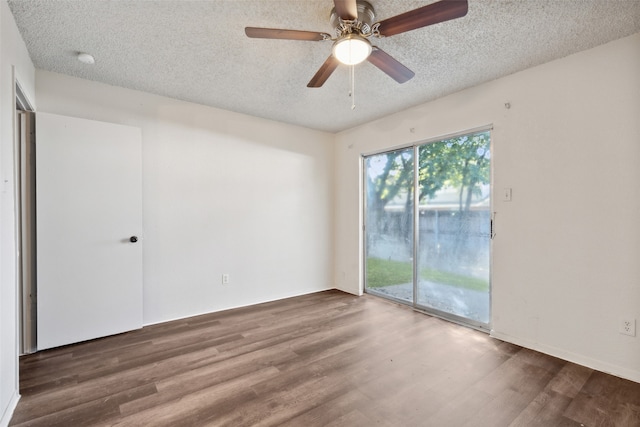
x,y
382,273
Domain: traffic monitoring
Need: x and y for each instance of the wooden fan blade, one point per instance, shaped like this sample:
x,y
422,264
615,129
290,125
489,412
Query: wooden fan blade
x,y
346,9
393,68
324,72
430,14
274,33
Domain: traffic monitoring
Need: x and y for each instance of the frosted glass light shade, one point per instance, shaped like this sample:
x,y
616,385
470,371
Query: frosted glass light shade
x,y
351,49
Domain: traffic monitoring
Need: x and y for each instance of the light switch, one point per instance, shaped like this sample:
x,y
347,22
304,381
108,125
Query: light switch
x,y
506,195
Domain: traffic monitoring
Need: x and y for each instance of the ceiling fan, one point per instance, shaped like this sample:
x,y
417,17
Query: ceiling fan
x,y
353,21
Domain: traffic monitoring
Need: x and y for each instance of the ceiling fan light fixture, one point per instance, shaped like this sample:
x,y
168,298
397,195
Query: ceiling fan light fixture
x,y
351,49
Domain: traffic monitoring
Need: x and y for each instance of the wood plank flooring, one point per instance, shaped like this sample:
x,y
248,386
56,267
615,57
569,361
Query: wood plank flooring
x,y
326,359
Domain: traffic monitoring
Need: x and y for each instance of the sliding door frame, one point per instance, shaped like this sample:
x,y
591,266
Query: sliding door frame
x,y
416,225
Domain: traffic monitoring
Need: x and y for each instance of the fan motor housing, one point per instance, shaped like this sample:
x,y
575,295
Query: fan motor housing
x,y
362,24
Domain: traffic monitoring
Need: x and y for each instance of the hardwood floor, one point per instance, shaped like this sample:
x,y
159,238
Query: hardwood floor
x,y
327,359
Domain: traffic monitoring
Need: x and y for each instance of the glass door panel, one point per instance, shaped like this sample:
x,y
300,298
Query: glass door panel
x,y
454,227
389,213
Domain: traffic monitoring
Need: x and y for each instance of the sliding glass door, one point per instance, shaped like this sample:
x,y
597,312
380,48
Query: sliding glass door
x,y
454,227
389,217
433,254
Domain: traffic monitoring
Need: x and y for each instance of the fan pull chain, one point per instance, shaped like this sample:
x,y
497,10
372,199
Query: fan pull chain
x,y
353,87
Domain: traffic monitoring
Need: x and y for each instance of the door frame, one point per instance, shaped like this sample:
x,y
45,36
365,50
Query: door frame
x,y
25,225
416,230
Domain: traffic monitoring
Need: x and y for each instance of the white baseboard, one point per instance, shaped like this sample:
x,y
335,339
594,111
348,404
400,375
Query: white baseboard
x,y
8,412
233,307
598,365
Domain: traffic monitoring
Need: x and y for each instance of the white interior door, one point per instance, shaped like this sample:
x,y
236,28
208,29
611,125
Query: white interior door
x,y
89,205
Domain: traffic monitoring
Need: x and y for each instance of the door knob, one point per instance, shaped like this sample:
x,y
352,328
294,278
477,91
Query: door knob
x,y
133,239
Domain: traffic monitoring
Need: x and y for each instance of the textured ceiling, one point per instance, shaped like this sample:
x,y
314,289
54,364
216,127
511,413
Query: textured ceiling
x,y
197,50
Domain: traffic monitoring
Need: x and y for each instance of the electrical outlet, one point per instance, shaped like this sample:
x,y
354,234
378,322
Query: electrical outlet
x,y
225,279
628,326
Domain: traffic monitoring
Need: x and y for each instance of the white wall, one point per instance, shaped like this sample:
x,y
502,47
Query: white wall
x,y
222,193
565,257
14,64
